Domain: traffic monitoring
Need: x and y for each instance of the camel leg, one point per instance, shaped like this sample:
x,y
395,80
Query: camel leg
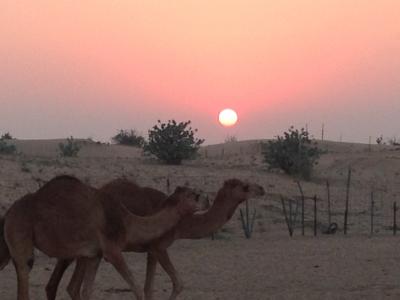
x,y
117,260
21,251
22,270
23,262
150,272
91,267
165,262
52,285
74,285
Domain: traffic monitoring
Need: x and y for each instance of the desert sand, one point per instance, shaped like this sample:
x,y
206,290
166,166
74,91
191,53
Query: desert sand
x,y
270,265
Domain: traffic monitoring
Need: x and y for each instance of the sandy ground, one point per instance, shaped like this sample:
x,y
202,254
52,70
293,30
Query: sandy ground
x,y
271,265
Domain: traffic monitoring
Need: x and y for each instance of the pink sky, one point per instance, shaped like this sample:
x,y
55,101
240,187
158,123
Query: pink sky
x,y
89,68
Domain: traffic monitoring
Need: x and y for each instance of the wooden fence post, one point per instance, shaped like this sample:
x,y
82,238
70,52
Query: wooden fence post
x,y
168,186
346,212
315,215
394,218
372,212
329,202
302,207
286,217
369,144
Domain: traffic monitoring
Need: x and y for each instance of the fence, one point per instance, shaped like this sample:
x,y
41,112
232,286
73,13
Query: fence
x,y
378,216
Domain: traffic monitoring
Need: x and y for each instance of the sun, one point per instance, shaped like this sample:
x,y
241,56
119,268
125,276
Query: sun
x,y
228,117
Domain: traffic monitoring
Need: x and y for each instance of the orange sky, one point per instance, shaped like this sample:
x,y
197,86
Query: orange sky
x,y
95,66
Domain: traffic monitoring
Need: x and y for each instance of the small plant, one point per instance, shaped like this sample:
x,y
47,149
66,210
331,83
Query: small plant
x,y
70,149
130,138
379,140
294,153
291,218
5,148
24,167
6,136
173,142
247,221
393,142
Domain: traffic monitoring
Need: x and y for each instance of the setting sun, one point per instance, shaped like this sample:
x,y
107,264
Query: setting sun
x,y
228,117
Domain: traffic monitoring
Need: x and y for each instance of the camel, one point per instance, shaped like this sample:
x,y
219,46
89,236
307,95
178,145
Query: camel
x,y
232,193
68,220
4,253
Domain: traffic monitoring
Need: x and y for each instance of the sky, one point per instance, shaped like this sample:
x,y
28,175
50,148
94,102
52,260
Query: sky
x,y
89,68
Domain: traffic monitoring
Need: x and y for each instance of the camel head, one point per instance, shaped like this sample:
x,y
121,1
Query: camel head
x,y
186,200
241,190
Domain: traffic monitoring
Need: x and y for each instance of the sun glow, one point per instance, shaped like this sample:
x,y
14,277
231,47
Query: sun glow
x,y
228,117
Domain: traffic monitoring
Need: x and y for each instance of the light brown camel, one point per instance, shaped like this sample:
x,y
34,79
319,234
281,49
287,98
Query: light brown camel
x,y
196,226
68,219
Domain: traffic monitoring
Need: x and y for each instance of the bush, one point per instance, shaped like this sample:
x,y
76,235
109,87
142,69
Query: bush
x,y
173,142
5,148
393,142
6,136
294,153
231,139
130,138
70,149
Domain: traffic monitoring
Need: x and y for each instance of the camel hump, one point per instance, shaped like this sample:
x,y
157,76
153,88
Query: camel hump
x,y
63,182
233,182
122,182
66,178
138,200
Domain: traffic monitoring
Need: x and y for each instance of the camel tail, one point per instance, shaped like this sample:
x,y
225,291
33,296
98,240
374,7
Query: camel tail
x,y
4,252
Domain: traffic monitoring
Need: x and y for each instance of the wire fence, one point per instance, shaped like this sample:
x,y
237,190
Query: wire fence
x,y
379,215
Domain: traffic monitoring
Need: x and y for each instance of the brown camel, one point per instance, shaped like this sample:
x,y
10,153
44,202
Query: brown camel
x,y
68,219
4,253
196,226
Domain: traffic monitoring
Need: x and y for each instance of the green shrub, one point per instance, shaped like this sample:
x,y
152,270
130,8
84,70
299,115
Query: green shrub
x,y
130,138
6,136
5,148
70,149
293,152
173,142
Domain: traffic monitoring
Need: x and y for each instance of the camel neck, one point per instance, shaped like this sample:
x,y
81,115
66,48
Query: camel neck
x,y
141,230
203,225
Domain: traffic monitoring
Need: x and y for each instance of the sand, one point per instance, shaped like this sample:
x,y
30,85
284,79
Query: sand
x,y
270,265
